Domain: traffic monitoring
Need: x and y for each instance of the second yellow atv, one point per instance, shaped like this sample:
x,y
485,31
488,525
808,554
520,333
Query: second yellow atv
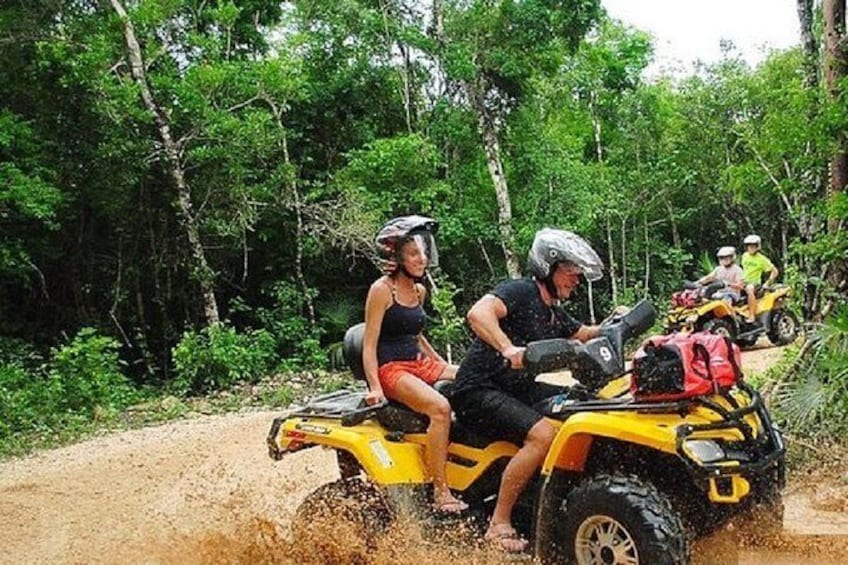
x,y
623,482
701,308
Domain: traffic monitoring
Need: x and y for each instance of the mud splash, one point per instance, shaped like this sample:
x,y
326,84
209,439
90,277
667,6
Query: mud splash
x,y
340,543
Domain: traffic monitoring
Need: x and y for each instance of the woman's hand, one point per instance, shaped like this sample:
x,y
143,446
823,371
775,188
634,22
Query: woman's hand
x,y
515,356
375,396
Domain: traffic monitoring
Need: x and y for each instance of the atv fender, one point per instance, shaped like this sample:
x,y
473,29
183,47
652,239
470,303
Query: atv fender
x,y
573,441
718,308
386,462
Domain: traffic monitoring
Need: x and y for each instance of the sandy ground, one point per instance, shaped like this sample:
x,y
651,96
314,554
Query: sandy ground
x,y
205,491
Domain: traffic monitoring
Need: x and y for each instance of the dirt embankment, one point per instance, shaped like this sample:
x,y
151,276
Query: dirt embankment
x,y
205,491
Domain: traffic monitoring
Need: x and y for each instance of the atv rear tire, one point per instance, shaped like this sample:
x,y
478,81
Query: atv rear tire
x,y
342,521
618,519
721,327
784,327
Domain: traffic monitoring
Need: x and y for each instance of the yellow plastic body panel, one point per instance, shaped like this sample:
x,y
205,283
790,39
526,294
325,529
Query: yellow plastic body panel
x,y
573,441
384,461
768,300
390,462
402,462
719,309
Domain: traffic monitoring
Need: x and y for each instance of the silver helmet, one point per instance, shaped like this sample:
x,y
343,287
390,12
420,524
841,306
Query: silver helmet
x,y
752,239
726,251
552,246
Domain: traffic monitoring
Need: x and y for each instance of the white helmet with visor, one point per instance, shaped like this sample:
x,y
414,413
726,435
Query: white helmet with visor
x,y
726,252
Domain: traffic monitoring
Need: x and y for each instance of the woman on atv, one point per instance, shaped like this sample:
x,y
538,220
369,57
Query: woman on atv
x,y
399,362
492,395
727,272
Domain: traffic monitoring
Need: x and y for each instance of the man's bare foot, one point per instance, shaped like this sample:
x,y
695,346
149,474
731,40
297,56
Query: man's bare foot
x,y
449,504
505,538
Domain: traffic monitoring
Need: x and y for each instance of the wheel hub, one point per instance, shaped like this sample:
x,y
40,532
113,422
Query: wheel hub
x,y
601,540
786,326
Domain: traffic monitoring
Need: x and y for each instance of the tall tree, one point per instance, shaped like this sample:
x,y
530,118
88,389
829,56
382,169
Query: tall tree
x,y
172,149
835,72
493,48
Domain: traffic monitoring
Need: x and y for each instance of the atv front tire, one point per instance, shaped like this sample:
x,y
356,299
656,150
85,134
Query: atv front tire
x,y
784,327
721,327
341,522
620,519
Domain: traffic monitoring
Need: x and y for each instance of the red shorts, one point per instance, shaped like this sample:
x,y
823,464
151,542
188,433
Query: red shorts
x,y
427,369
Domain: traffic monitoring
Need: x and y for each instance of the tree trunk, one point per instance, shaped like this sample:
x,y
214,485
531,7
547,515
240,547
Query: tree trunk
x,y
596,128
488,131
647,258
610,246
203,273
624,253
835,72
298,208
808,43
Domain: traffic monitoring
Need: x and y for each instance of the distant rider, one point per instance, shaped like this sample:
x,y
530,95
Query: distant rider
x,y
754,265
727,272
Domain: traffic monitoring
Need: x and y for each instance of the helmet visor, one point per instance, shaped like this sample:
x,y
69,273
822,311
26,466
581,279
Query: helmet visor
x,y
426,245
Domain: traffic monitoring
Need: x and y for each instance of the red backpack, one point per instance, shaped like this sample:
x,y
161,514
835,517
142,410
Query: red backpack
x,y
684,365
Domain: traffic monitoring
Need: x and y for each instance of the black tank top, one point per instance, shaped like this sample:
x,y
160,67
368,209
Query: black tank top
x,y
399,332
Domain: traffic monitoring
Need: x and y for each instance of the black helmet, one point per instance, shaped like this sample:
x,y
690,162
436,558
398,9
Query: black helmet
x,y
397,231
552,246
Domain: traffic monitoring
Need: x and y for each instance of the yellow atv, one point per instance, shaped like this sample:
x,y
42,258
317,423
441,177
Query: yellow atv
x,y
624,481
703,308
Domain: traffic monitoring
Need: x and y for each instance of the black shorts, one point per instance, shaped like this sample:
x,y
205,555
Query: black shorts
x,y
499,415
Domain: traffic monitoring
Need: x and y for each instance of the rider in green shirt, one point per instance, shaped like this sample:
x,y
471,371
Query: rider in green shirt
x,y
754,265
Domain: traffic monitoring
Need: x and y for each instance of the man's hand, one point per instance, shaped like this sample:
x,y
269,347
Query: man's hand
x,y
515,356
375,396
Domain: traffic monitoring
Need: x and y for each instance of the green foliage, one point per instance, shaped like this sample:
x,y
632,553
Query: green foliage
x,y
816,400
449,327
302,127
80,382
87,373
217,357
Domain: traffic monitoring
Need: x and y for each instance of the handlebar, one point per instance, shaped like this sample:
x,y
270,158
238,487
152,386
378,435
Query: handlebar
x,y
595,361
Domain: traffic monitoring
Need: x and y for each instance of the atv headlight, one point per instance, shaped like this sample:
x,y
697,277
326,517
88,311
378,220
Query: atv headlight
x,y
691,319
704,450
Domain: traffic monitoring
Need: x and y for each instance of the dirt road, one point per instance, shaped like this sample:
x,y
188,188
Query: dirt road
x,y
205,491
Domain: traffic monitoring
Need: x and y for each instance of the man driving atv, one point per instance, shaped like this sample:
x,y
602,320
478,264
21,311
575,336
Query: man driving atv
x,y
754,264
727,272
493,395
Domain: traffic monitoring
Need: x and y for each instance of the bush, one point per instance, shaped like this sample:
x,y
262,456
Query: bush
x,y
815,400
79,378
86,374
26,400
218,356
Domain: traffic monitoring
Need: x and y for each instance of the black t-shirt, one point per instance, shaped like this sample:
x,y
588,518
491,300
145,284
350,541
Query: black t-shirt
x,y
527,319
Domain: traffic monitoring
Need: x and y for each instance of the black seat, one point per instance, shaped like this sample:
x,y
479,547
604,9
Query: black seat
x,y
352,349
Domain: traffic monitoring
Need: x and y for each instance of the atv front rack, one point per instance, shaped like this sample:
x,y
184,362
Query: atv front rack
x,y
755,455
